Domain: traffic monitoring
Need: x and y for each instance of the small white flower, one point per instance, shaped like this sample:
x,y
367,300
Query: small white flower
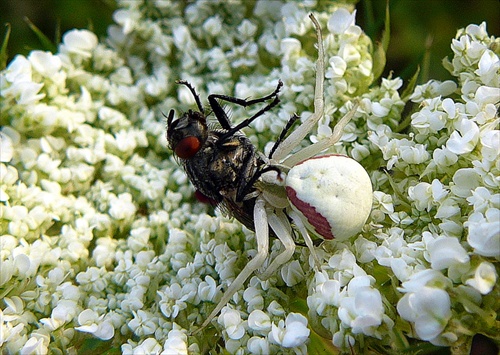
x,y
176,343
259,346
421,194
147,346
45,63
259,321
36,345
291,333
143,323
447,209
253,296
213,25
19,70
292,273
341,20
337,67
481,199
414,154
91,322
247,29
104,251
464,139
483,232
465,181
490,145
294,17
290,48
231,320
207,289
80,42
122,207
443,157
446,252
182,37
65,311
6,149
484,279
428,309
487,95
488,67
128,19
276,309
24,92
139,238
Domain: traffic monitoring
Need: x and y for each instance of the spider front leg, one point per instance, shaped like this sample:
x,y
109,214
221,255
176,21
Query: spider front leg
x,y
262,237
321,145
294,139
281,227
283,148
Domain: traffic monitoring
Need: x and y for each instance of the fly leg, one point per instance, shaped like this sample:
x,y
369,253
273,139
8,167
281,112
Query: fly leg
x,y
283,133
222,116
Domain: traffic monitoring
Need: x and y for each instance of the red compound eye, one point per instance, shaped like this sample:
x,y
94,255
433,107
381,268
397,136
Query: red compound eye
x,y
187,147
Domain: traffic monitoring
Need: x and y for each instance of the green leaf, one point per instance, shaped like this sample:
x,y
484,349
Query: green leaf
x,y
97,346
320,346
379,61
46,43
411,86
379,55
3,50
426,61
386,35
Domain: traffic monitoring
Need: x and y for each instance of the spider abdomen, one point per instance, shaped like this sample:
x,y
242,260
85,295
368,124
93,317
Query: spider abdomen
x,y
333,193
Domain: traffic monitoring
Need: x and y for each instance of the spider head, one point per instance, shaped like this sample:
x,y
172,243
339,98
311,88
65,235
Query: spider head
x,y
187,134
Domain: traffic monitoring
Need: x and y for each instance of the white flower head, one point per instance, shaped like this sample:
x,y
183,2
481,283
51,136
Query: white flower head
x,y
96,212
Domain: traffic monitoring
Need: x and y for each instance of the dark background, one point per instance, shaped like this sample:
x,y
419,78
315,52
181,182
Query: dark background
x,y
413,22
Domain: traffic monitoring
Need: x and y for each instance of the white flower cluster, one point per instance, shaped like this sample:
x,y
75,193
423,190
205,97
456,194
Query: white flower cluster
x,y
435,227
101,237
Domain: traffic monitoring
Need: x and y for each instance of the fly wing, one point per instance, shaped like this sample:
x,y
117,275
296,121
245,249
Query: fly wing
x,y
242,211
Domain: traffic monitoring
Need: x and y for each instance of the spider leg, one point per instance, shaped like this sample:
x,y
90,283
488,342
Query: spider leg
x,y
279,223
262,237
300,132
222,116
317,147
303,231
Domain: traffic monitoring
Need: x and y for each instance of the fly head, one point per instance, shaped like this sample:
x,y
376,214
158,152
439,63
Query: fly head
x,y
187,134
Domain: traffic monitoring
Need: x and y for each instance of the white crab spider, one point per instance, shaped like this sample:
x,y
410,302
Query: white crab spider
x,y
329,195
